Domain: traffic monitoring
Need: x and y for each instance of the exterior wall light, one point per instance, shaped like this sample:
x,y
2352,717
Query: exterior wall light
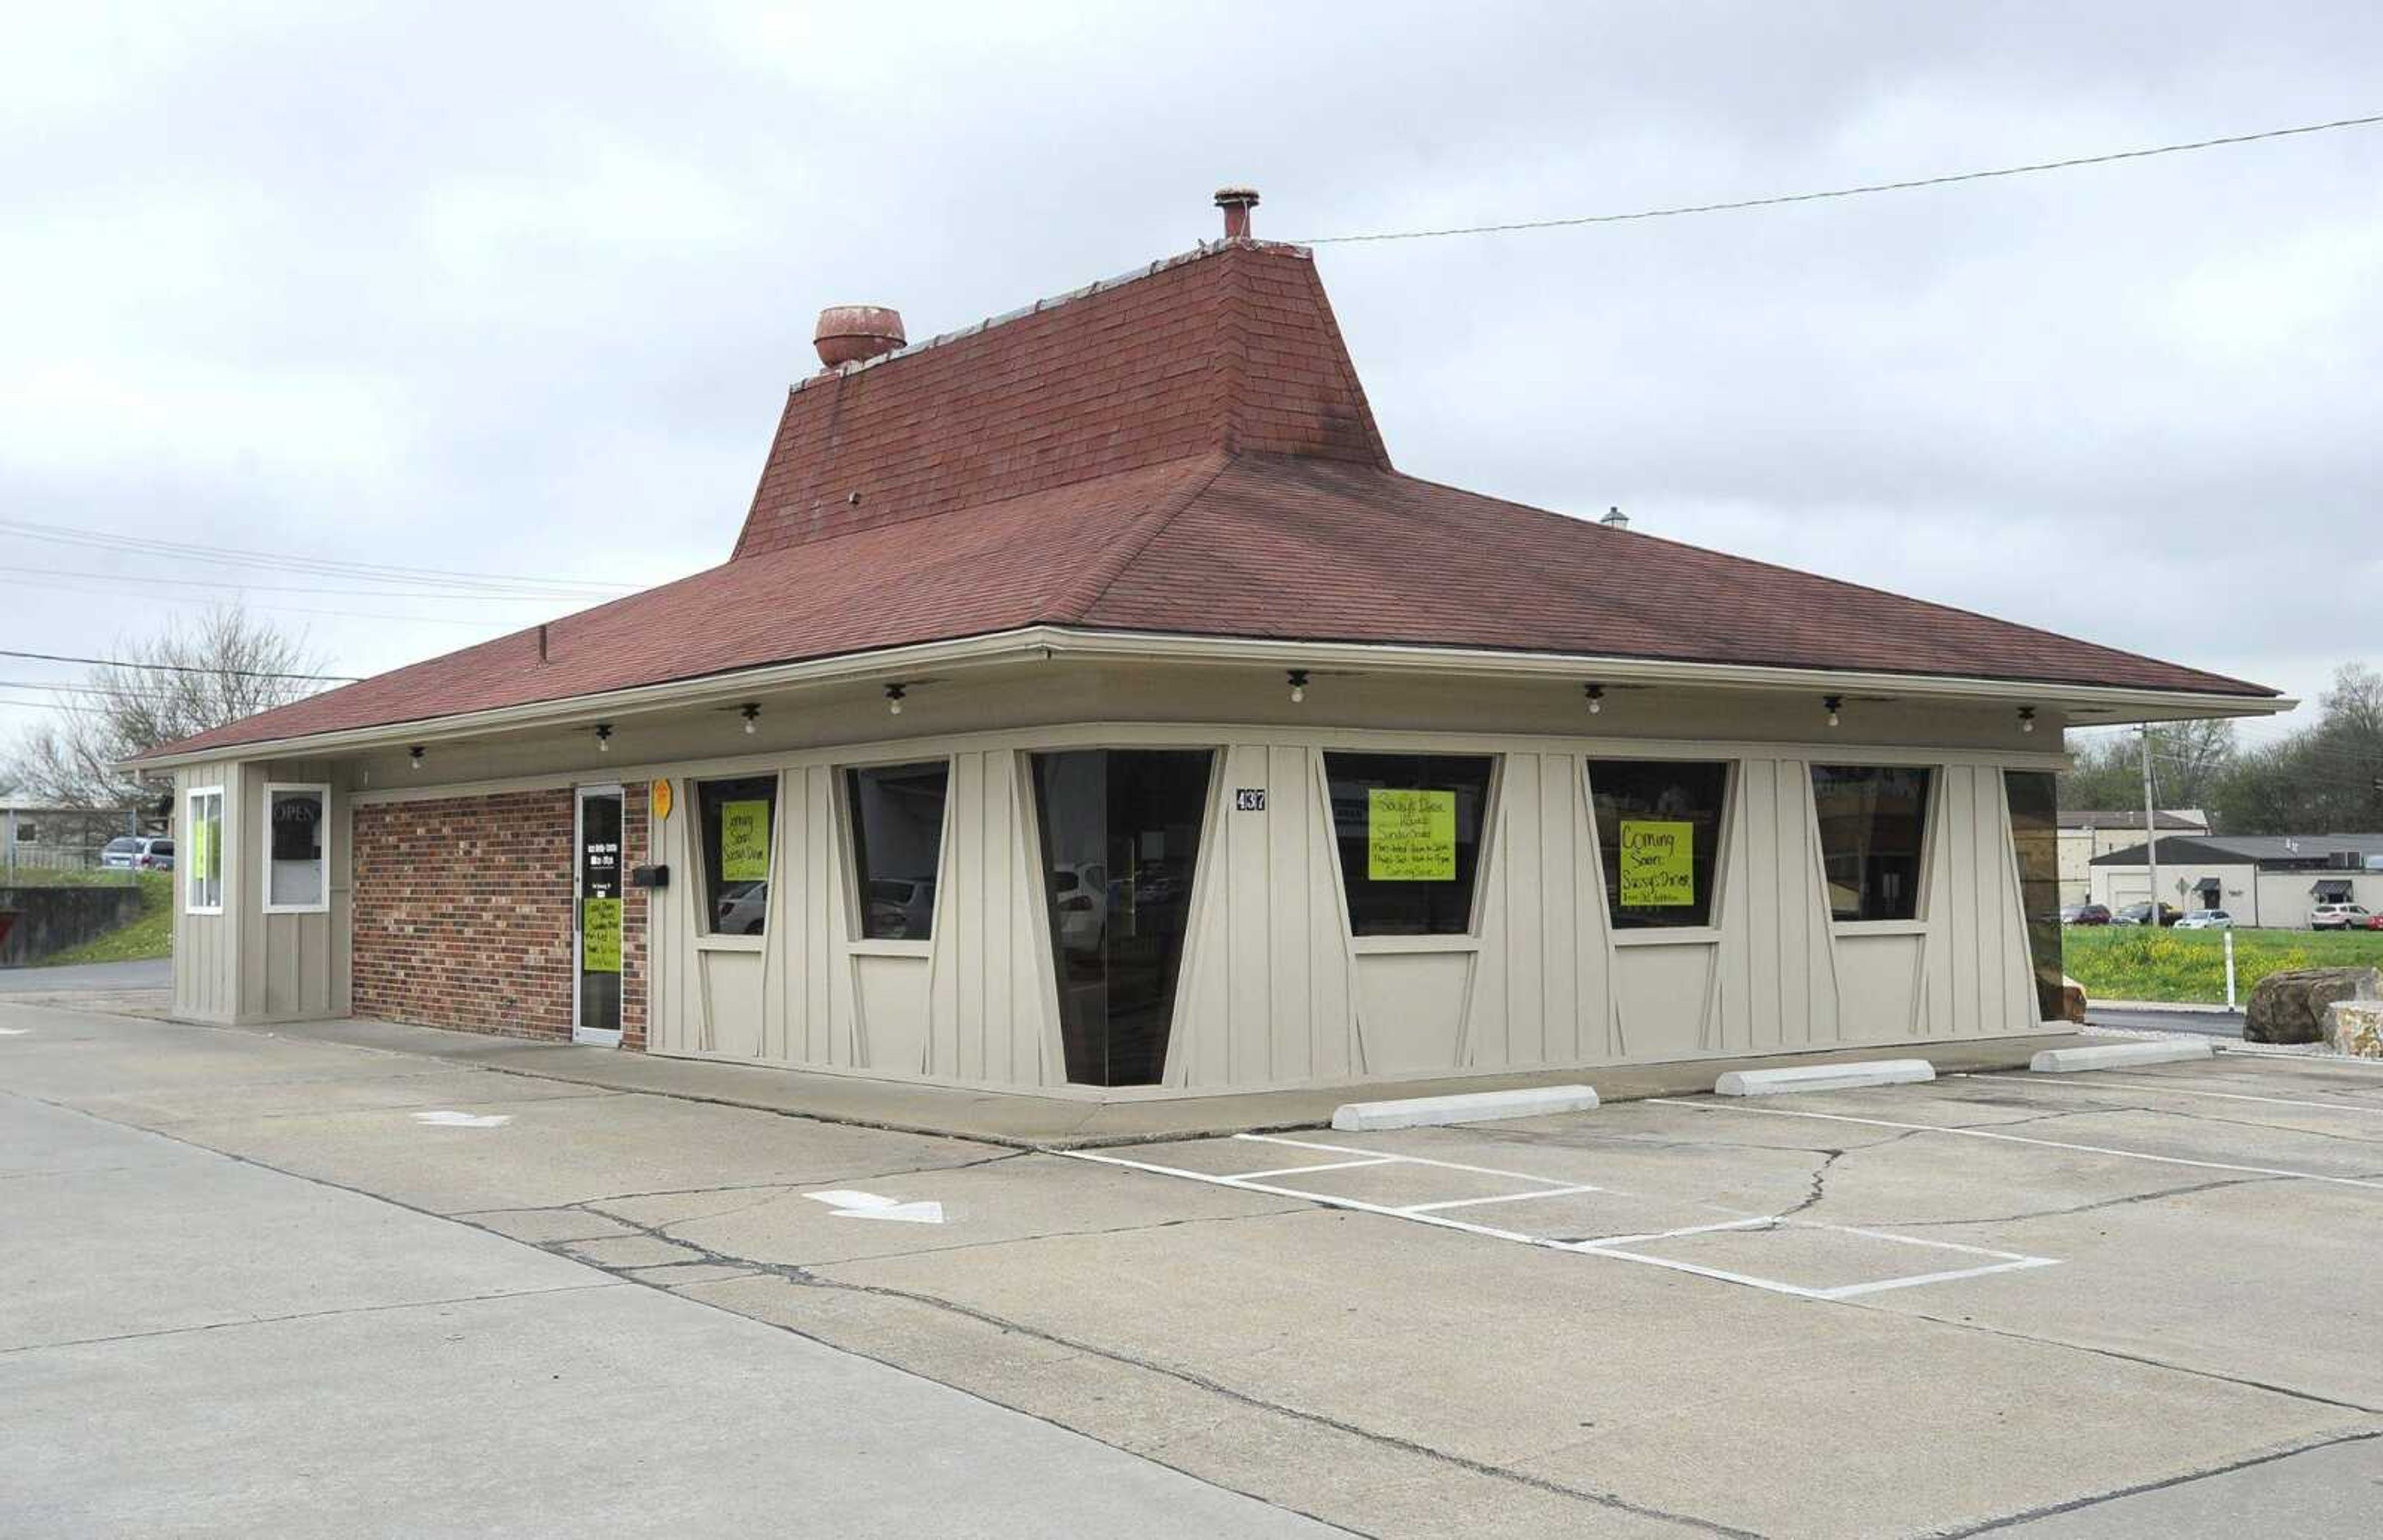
x,y
1835,704
752,715
1596,694
2027,719
894,693
603,738
1298,685
413,758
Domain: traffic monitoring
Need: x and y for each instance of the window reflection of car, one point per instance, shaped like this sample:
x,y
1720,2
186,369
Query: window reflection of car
x,y
901,908
741,909
1080,894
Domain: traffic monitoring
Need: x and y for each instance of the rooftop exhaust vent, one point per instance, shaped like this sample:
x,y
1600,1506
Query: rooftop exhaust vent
x,y
1237,202
849,334
1615,519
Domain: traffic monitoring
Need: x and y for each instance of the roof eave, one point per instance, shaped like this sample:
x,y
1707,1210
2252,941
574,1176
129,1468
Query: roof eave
x,y
2111,704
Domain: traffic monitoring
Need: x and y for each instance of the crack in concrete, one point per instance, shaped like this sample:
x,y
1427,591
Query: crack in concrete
x,y
2079,1504
2098,1204
308,1315
809,1277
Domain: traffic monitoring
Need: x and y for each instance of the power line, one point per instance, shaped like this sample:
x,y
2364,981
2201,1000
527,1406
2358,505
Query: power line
x,y
182,668
431,592
322,566
1850,192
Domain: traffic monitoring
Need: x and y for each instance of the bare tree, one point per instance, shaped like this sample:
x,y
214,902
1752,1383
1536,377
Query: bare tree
x,y
186,680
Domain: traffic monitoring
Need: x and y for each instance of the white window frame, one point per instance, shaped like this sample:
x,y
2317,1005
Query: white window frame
x,y
191,800
321,789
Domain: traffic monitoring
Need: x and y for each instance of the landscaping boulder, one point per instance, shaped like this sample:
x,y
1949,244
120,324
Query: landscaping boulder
x,y
2290,1006
2357,1027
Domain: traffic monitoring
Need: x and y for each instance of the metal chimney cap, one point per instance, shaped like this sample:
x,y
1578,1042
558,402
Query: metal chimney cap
x,y
1615,519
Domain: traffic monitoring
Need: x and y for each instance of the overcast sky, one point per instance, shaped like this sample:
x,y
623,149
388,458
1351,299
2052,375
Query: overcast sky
x,y
518,289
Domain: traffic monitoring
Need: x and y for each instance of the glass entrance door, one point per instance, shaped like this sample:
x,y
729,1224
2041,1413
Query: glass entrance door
x,y
1120,839
596,1007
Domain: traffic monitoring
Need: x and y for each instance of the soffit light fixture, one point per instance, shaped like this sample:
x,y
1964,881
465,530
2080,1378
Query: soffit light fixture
x,y
603,738
752,715
1596,695
1834,705
2027,719
894,693
413,758
1298,678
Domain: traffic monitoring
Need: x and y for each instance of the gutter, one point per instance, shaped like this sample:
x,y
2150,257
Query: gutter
x,y
1043,643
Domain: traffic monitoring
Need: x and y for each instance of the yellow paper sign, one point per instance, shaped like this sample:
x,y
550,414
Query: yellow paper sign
x,y
202,847
600,935
659,799
1657,864
744,842
1410,836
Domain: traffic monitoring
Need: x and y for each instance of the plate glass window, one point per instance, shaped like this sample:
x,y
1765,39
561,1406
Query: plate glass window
x,y
735,821
1659,835
1409,830
1120,830
1874,822
897,843
202,888
2035,831
297,848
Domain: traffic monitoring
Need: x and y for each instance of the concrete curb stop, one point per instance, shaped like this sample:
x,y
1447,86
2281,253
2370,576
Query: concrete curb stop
x,y
1424,1111
1824,1076
2118,1055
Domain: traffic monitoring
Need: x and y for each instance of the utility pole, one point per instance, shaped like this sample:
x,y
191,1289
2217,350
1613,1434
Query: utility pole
x,y
2151,829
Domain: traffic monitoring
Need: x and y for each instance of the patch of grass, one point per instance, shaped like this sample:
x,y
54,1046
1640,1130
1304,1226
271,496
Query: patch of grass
x,y
68,877
150,935
2133,962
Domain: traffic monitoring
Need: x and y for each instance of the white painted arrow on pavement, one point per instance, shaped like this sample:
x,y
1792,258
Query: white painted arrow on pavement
x,y
871,1205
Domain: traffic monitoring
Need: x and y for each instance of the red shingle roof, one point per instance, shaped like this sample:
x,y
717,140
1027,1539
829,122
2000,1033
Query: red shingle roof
x,y
1188,451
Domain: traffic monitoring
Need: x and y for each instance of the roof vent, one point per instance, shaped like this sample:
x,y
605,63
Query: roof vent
x,y
1615,519
1237,202
848,334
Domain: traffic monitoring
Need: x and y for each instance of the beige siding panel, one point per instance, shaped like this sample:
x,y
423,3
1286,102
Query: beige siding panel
x,y
892,993
1878,974
1541,992
1664,995
732,984
987,1018
1410,1009
1265,996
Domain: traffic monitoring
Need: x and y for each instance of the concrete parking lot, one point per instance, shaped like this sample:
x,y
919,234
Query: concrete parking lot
x,y
2137,1304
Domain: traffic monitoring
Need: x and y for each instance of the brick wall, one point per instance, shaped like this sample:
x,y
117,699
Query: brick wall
x,y
463,909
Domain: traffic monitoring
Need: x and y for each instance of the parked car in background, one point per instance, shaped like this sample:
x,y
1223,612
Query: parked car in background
x,y
153,856
2085,914
120,852
2339,917
2372,922
2141,913
901,908
2206,919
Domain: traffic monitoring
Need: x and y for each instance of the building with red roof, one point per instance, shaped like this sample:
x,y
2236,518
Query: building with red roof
x,y
1090,703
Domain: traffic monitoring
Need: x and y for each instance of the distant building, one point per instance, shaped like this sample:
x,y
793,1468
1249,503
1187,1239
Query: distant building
x,y
2264,879
41,834
2086,835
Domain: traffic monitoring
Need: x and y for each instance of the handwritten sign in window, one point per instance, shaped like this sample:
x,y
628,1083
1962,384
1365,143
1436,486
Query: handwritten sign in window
x,y
1657,864
745,842
1410,836
600,935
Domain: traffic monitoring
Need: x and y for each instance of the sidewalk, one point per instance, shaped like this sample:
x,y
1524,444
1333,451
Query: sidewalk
x,y
1062,1123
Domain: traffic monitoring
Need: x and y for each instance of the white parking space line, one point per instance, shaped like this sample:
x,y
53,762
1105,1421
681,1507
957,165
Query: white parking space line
x,y
1321,1165
2031,1081
1433,1214
1501,1198
2022,1138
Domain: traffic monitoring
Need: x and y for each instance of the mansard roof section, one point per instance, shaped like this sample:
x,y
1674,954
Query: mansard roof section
x,y
1229,348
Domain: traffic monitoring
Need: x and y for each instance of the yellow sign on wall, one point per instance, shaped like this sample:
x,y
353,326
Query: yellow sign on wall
x,y
659,799
1410,836
1657,864
744,842
600,935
